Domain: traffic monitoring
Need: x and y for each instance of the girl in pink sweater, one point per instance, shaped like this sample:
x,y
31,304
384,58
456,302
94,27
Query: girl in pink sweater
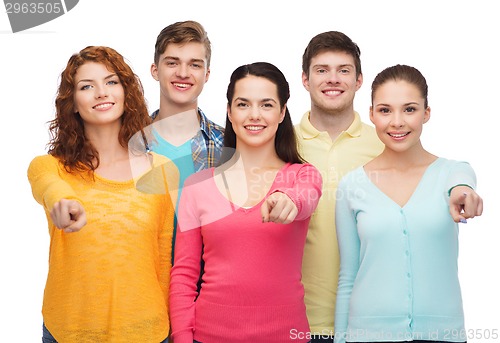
x,y
248,220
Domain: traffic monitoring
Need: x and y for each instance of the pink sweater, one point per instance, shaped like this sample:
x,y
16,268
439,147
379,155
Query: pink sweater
x,y
252,290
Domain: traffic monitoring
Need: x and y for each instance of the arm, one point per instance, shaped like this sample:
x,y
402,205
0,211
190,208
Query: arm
x,y
55,195
464,201
186,270
296,202
349,248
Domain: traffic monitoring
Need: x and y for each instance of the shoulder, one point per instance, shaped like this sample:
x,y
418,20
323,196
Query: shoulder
x,y
43,166
293,171
451,164
368,131
216,127
460,171
304,127
210,126
43,161
305,168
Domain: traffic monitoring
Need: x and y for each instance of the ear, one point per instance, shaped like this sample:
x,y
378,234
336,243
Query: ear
x,y
154,71
427,114
371,114
359,82
305,81
207,75
282,114
229,113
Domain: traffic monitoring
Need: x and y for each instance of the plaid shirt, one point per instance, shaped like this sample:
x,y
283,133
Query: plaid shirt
x,y
206,146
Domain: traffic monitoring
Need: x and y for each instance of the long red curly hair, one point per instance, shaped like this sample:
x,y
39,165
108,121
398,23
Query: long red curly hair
x,y
68,141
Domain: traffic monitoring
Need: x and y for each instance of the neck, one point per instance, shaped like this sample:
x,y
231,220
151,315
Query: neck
x,y
105,141
251,161
413,157
332,122
169,108
179,127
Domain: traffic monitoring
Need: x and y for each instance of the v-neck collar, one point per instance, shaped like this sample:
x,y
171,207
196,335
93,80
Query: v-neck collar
x,y
415,192
236,207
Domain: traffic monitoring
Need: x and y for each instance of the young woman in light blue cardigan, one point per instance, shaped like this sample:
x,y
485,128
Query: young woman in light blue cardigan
x,y
398,242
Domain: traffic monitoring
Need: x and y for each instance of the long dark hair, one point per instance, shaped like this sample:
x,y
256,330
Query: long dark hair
x,y
285,141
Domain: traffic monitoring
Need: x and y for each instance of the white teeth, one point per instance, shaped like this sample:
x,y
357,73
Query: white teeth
x,y
181,85
101,106
332,92
254,128
398,135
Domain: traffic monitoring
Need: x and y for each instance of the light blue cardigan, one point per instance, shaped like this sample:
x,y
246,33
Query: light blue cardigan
x,y
398,276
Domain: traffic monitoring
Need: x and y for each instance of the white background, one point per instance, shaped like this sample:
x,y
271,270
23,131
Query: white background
x,y
454,44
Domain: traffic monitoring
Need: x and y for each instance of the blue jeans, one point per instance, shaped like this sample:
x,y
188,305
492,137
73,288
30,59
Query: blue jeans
x,y
48,338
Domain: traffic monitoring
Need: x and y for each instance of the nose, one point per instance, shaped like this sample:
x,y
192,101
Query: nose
x,y
101,91
333,77
254,113
182,70
398,119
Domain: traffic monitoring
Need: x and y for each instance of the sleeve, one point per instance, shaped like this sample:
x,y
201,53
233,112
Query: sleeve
x,y
349,248
186,270
47,185
461,174
305,190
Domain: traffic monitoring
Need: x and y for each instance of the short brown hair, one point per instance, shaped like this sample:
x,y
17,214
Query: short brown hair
x,y
182,32
331,41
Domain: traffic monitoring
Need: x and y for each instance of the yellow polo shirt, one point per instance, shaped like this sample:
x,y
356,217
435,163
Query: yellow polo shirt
x,y
320,268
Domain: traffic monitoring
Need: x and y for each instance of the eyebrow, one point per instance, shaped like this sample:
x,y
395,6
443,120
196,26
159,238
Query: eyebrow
x,y
199,60
90,80
262,100
327,66
407,104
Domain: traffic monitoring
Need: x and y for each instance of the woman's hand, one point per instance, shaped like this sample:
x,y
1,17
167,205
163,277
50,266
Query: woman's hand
x,y
278,208
68,215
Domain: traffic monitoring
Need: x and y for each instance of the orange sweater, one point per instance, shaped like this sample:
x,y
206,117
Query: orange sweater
x,y
108,282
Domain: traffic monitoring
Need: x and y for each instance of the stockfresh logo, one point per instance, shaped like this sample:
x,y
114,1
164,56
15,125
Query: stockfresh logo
x,y
25,14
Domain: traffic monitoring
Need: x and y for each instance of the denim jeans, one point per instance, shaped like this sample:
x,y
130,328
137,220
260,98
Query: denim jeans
x,y
48,338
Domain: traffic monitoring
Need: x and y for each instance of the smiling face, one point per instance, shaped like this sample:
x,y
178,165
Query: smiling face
x,y
255,112
99,95
332,81
182,72
398,113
